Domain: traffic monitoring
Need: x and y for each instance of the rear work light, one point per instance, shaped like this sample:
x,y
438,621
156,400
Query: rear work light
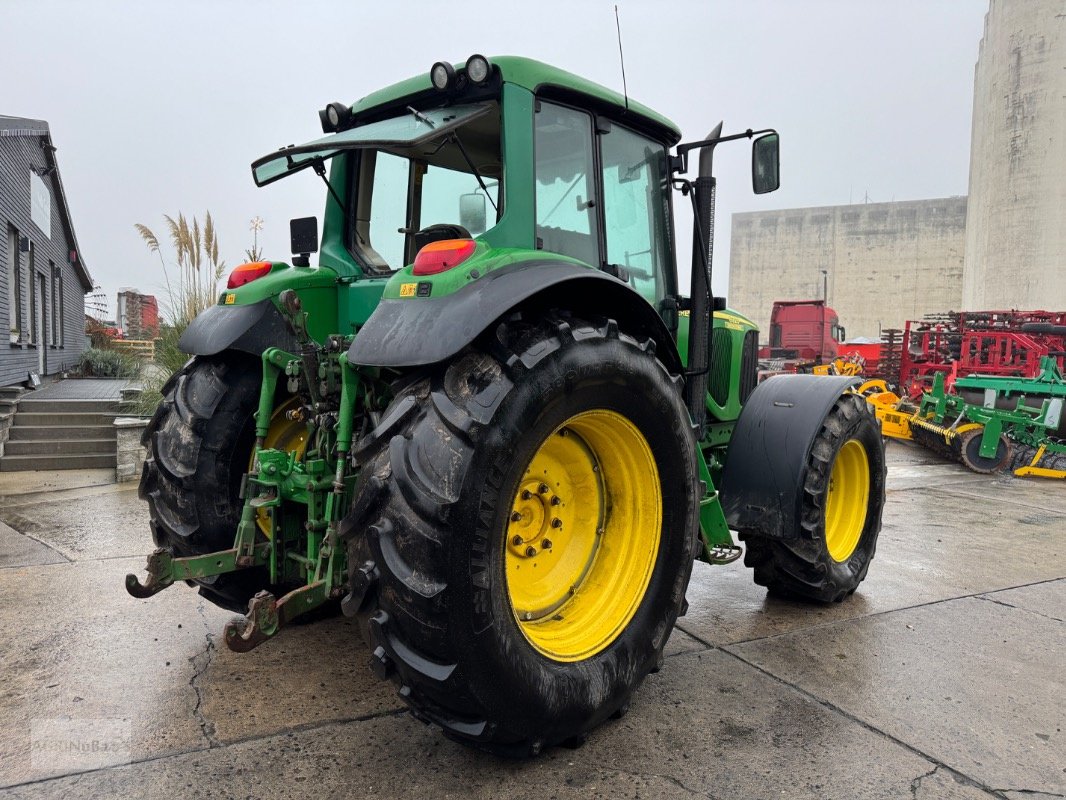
x,y
443,255
246,273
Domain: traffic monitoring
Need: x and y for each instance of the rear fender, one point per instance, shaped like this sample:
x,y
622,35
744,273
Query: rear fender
x,y
766,465
248,328
418,331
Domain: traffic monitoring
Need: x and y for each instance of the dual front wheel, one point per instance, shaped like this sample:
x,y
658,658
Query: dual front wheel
x,y
840,503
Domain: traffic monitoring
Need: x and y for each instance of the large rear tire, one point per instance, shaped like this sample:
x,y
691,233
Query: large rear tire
x,y
198,446
843,496
523,532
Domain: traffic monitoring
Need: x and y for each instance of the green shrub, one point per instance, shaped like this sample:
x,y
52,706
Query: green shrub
x,y
99,363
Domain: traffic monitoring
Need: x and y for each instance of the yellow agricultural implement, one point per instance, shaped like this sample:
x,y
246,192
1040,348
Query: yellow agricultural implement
x,y
851,365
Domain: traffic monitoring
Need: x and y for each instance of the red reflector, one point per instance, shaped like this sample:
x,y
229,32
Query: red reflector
x,y
443,255
246,273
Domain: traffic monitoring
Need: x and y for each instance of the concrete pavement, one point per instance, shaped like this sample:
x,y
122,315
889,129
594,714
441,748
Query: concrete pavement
x,y
943,677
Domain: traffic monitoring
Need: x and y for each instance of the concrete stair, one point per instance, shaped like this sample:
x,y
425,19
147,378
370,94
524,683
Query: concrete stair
x,y
60,434
9,400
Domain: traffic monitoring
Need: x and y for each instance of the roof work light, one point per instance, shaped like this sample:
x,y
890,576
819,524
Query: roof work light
x,y
442,74
478,68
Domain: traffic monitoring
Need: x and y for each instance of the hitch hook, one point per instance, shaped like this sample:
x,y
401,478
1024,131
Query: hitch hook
x,y
159,576
260,624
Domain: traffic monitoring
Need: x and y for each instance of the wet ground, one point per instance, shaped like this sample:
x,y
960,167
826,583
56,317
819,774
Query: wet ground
x,y
943,677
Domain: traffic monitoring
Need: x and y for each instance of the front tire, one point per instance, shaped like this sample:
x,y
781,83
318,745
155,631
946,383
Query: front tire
x,y
560,451
843,496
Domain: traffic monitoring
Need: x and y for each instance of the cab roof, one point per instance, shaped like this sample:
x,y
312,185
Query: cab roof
x,y
536,77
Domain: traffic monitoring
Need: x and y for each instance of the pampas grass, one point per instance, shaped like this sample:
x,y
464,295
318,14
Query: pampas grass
x,y
197,270
195,262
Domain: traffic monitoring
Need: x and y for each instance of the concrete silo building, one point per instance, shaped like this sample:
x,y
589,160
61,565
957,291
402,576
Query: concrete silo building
x,y
884,263
1015,253
1001,247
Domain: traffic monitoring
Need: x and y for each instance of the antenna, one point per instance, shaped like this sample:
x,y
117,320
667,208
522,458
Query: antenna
x,y
621,56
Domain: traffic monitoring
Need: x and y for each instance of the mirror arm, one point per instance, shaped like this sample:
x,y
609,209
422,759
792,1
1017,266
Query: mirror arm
x,y
680,163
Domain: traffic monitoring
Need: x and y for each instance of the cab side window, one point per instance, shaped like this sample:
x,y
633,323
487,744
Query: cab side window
x,y
634,188
567,219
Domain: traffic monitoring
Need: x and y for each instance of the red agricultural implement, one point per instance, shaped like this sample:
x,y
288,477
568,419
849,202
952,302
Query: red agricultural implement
x,y
997,343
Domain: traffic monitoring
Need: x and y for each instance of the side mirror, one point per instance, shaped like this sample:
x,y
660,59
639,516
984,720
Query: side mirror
x,y
766,164
472,213
303,235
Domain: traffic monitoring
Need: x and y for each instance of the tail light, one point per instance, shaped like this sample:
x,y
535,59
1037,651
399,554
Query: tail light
x,y
443,255
246,273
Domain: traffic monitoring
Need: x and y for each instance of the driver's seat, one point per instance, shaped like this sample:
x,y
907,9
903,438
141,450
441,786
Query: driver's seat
x,y
437,233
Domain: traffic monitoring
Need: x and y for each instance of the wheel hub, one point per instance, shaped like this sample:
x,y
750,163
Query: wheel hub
x,y
536,521
846,500
286,433
582,535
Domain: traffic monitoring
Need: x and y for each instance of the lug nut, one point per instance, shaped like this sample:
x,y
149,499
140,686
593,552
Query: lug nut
x,y
516,517
516,541
556,500
556,522
531,551
526,494
546,544
543,488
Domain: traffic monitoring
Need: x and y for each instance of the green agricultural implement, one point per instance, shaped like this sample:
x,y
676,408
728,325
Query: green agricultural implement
x,y
987,422
488,424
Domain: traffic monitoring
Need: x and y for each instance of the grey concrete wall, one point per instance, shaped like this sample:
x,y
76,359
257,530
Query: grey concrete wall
x,y
886,262
1016,232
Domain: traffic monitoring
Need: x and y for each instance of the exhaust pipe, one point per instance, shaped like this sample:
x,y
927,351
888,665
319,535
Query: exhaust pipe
x,y
702,300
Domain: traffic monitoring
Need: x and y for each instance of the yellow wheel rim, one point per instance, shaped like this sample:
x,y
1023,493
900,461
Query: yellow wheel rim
x,y
583,535
283,434
846,502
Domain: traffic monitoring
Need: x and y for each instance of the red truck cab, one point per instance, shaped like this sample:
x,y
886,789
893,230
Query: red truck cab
x,y
806,332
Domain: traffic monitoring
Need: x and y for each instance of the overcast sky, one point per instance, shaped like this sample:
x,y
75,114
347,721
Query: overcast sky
x,y
160,107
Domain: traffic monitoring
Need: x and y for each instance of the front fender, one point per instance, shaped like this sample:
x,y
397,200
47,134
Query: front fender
x,y
248,328
766,465
418,331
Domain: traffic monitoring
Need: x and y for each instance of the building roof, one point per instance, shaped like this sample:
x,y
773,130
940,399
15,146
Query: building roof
x,y
20,126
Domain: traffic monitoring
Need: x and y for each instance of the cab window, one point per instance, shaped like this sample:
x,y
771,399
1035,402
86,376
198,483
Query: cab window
x,y
409,194
390,208
634,192
567,219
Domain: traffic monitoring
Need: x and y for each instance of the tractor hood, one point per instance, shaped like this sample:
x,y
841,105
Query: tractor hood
x,y
404,135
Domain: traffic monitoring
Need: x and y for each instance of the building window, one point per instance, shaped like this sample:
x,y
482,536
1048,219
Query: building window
x,y
35,301
62,306
54,331
14,308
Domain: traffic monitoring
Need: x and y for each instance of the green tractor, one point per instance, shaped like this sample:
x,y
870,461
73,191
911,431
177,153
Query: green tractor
x,y
489,424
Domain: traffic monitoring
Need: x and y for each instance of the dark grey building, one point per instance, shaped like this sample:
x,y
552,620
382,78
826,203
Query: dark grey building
x,y
43,281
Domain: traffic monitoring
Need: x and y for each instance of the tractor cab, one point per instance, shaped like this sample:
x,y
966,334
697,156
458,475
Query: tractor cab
x,y
493,167
589,179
